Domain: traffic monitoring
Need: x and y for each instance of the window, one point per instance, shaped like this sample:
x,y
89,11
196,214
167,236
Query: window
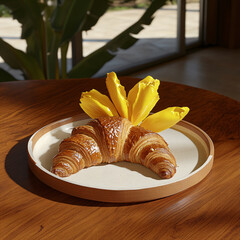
x,y
175,28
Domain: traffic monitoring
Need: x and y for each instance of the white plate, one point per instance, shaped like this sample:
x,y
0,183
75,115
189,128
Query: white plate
x,y
192,148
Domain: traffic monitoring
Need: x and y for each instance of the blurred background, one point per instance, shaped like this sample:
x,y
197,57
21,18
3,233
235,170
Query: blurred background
x,y
193,42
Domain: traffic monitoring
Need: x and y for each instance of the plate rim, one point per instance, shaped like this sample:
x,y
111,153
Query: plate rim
x,y
119,195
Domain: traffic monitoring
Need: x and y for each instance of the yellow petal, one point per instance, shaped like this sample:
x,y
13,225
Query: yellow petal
x,y
118,94
164,119
142,98
95,104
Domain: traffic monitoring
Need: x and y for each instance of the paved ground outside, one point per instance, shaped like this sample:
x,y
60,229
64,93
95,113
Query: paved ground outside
x,y
156,40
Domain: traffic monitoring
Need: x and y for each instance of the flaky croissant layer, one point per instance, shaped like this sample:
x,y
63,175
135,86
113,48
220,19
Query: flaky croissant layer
x,y
109,140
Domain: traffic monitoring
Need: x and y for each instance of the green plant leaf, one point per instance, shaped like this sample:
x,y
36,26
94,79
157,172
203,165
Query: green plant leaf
x,y
6,76
19,60
39,45
69,16
30,14
98,8
65,21
27,12
93,62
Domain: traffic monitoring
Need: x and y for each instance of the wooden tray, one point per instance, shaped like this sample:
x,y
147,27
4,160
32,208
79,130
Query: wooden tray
x,y
123,182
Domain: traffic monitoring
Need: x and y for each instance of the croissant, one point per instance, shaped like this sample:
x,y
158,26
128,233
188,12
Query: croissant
x,y
109,140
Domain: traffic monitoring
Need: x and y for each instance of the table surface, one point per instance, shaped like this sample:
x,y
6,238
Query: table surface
x,y
32,210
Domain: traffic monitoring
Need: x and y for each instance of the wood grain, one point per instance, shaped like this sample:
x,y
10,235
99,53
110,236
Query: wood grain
x,y
32,210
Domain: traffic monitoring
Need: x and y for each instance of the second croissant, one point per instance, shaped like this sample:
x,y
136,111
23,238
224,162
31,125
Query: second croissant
x,y
109,140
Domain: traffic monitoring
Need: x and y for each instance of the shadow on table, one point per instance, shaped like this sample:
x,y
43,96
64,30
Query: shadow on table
x,y
16,165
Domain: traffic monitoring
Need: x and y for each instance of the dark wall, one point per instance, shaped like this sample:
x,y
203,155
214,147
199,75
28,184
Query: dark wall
x,y
222,25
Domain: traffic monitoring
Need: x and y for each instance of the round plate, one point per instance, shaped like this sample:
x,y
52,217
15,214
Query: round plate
x,y
123,181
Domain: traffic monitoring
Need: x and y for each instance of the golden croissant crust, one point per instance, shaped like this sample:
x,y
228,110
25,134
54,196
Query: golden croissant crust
x,y
113,139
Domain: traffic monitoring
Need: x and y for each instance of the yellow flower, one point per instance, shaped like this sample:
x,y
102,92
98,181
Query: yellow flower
x,y
164,119
136,107
96,104
142,98
118,94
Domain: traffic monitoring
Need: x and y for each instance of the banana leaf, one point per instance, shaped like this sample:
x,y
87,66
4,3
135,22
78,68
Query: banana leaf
x,y
37,49
27,12
72,16
65,21
18,59
69,17
46,31
6,76
93,62
39,41
98,8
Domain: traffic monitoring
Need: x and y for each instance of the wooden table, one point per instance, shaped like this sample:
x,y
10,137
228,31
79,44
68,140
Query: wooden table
x,y
31,210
